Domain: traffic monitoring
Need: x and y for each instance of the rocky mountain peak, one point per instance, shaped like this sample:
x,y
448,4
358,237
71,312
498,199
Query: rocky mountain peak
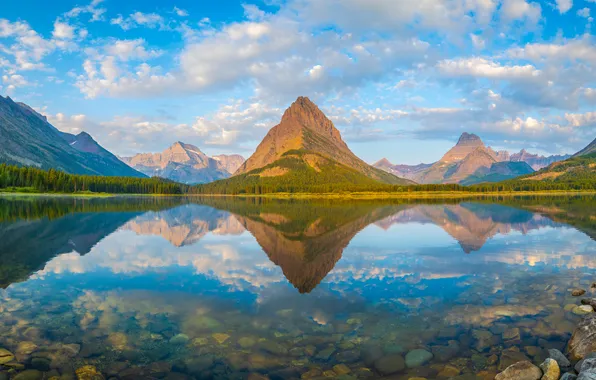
x,y
383,162
469,139
303,113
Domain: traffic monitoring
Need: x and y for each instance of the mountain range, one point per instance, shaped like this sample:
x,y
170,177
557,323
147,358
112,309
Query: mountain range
x,y
28,139
185,163
470,162
304,149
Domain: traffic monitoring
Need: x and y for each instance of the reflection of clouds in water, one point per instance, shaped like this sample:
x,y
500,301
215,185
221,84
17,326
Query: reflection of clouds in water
x,y
238,261
240,264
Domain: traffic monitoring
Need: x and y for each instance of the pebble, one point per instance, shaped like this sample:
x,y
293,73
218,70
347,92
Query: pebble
x,y
578,292
550,369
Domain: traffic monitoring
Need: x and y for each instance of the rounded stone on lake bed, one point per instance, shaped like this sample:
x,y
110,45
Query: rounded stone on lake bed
x,y
220,338
30,374
578,292
582,310
523,370
180,339
557,355
5,356
88,372
390,364
417,358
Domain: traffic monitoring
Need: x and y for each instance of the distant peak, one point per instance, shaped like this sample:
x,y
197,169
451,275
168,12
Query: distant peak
x,y
383,161
468,137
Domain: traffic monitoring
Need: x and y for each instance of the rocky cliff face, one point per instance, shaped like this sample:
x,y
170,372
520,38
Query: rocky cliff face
x,y
28,139
229,163
184,163
305,127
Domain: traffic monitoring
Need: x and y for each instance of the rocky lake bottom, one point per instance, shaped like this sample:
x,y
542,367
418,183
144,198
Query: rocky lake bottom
x,y
207,289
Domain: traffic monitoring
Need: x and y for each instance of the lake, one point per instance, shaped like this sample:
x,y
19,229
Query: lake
x,y
221,288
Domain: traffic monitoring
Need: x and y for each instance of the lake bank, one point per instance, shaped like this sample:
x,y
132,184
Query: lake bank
x,y
350,196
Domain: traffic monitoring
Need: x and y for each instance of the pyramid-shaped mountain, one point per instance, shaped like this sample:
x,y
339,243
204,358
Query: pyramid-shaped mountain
x,y
305,134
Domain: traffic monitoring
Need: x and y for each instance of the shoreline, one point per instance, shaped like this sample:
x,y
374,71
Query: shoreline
x,y
352,196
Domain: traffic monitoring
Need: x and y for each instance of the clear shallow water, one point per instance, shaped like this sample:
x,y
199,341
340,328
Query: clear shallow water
x,y
215,288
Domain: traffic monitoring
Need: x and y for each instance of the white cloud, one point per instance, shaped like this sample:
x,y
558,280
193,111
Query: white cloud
x,y
577,49
521,9
131,49
180,12
564,5
12,82
482,68
93,9
149,20
477,41
63,30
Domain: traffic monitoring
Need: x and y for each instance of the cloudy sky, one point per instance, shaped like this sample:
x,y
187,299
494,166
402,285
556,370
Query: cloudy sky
x,y
400,78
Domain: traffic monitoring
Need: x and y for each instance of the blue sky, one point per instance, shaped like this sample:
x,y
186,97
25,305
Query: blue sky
x,y
401,79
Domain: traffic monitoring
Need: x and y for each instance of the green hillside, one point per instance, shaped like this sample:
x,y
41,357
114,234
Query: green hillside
x,y
299,171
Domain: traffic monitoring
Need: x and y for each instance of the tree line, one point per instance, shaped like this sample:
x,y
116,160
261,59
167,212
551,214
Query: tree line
x,y
55,181
298,181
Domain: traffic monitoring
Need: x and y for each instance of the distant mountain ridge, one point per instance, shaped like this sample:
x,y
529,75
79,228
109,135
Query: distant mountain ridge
x,y
185,163
28,139
471,162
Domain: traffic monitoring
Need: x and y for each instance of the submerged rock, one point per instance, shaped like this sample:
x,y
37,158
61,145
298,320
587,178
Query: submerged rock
x,y
88,372
550,369
583,340
445,353
582,310
5,356
557,355
30,374
390,364
523,370
578,292
417,358
508,358
568,376
179,340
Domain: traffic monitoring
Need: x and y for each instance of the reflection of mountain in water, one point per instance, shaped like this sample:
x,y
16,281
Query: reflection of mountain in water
x,y
25,246
186,225
471,224
305,239
33,231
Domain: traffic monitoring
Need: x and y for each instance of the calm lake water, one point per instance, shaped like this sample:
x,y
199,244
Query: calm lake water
x,y
144,288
